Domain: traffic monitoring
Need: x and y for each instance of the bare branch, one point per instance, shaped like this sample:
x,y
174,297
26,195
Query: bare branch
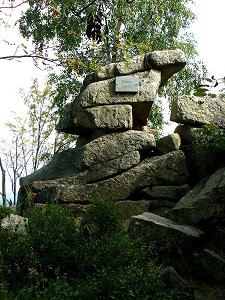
x,y
34,56
12,7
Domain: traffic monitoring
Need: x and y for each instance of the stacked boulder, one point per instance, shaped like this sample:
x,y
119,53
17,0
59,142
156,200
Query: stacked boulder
x,y
190,236
116,155
171,192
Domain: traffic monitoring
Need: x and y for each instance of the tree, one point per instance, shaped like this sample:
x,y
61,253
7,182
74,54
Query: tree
x,y
75,37
85,34
3,193
33,137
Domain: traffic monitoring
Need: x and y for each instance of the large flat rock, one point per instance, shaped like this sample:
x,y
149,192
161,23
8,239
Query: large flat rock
x,y
198,111
113,145
205,201
52,174
171,192
108,117
167,61
111,117
166,169
165,233
103,92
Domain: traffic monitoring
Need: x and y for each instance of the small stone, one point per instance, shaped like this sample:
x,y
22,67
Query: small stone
x,y
169,143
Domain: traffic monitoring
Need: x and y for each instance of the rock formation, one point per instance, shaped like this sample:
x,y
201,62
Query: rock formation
x,y
201,209
114,156
171,191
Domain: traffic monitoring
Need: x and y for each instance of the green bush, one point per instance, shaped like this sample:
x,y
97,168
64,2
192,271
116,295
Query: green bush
x,y
210,137
5,211
60,258
53,235
101,219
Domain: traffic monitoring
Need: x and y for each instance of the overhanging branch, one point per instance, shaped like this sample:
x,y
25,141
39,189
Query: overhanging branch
x,y
12,7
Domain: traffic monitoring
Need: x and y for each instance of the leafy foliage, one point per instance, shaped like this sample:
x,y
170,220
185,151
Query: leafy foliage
x,y
85,35
32,138
209,137
210,85
61,258
5,212
156,119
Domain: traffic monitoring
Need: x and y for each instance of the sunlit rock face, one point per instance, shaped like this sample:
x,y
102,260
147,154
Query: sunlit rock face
x,y
116,154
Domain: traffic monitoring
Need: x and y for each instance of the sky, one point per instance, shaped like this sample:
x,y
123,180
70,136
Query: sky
x,y
209,34
208,30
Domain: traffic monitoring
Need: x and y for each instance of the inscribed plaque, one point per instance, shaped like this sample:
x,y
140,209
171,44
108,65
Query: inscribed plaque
x,y
127,84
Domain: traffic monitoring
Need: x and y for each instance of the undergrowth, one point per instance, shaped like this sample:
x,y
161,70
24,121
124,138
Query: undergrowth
x,y
61,258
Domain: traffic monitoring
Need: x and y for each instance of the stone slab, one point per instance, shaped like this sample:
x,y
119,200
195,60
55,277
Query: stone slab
x,y
112,146
169,192
167,61
198,111
169,168
165,233
103,92
110,117
205,201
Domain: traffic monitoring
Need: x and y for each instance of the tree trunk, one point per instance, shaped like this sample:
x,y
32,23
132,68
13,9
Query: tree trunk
x,y
3,184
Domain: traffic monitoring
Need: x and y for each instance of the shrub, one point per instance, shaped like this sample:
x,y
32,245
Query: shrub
x,y
5,211
101,219
210,137
53,235
60,258
15,258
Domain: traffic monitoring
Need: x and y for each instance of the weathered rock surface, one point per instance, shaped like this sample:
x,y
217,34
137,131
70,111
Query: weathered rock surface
x,y
116,152
103,92
198,111
169,168
169,192
203,202
112,146
169,143
111,117
212,266
166,234
92,174
168,62
174,281
15,223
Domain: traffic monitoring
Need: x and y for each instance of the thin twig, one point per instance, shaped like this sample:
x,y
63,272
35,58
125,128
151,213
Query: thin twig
x,y
12,7
34,56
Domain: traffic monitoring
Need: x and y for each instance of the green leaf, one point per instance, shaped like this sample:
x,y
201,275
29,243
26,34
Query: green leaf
x,y
57,271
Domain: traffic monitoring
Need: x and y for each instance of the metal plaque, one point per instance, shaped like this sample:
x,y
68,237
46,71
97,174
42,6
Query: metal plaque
x,y
127,84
